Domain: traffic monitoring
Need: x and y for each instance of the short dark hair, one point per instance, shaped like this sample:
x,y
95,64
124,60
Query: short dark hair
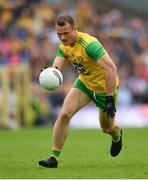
x,y
62,19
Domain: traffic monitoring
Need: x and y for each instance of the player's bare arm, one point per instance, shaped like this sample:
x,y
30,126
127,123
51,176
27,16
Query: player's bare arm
x,y
110,74
110,79
59,63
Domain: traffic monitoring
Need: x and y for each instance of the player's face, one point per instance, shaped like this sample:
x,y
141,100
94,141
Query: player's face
x,y
67,34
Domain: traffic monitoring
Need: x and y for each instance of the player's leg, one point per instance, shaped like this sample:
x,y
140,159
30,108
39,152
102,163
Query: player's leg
x,y
109,126
74,101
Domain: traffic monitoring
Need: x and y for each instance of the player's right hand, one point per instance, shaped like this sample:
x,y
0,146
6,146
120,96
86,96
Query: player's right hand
x,y
110,108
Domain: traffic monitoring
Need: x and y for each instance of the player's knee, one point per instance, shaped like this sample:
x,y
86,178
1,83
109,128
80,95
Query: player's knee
x,y
65,115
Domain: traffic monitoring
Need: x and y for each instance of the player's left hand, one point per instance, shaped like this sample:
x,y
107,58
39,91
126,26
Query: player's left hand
x,y
43,68
110,108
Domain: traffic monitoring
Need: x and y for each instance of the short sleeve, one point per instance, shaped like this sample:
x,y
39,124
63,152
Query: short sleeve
x,y
60,52
95,50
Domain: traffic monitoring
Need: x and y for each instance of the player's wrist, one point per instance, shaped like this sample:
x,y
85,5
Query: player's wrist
x,y
109,98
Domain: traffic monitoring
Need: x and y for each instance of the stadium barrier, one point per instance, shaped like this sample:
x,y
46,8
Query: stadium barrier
x,y
15,92
132,116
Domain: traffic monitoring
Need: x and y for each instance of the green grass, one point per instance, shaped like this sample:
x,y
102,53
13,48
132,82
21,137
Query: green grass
x,y
85,155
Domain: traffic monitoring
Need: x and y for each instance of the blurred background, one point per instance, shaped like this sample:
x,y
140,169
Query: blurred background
x,y
28,43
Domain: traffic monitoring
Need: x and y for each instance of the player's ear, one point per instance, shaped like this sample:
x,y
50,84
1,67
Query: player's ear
x,y
74,28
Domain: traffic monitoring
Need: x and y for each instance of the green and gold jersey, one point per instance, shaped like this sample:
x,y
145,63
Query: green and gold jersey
x,y
84,56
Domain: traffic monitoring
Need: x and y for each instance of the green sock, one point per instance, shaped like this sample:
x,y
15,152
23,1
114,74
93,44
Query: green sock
x,y
55,153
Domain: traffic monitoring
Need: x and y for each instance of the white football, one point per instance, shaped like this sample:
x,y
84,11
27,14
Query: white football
x,y
50,78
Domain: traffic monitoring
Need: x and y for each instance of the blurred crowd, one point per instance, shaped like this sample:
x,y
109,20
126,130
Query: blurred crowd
x,y
27,37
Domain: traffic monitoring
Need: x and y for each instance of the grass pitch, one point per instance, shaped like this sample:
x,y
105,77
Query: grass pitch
x,y
85,155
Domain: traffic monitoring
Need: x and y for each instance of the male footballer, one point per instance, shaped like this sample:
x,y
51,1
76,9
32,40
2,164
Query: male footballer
x,y
97,81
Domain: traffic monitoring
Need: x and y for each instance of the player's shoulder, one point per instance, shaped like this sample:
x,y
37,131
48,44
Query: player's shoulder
x,y
87,38
61,46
